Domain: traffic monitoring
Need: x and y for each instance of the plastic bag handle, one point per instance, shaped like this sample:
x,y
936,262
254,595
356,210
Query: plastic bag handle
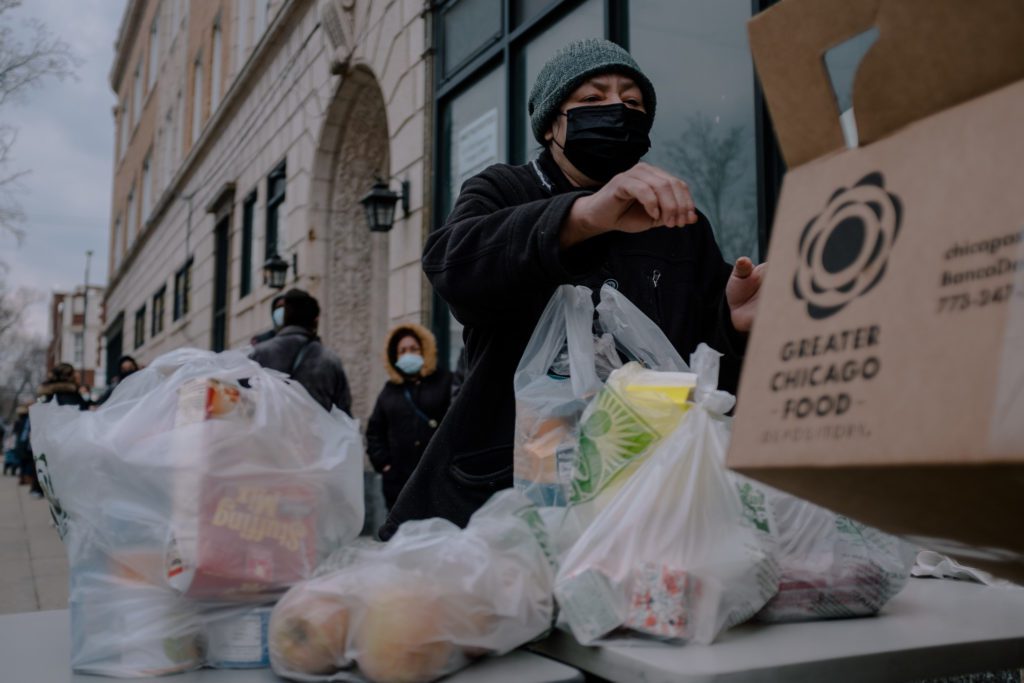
x,y
579,332
705,361
567,320
636,333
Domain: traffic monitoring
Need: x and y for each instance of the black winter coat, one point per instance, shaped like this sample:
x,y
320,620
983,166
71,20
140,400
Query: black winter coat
x,y
497,261
398,433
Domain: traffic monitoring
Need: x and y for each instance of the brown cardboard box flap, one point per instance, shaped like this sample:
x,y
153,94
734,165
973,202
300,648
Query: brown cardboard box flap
x,y
930,55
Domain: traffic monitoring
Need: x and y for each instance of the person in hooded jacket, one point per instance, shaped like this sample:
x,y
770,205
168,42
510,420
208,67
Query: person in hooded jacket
x,y
586,211
410,407
61,387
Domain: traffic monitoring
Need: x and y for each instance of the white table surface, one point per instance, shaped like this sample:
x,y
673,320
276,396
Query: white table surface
x,y
35,647
932,628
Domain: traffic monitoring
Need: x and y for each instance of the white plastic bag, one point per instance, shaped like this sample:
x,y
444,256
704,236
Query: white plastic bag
x,y
422,605
830,565
205,480
565,364
670,556
553,383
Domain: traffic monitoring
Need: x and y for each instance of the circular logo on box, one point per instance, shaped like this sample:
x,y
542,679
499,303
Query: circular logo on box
x,y
845,248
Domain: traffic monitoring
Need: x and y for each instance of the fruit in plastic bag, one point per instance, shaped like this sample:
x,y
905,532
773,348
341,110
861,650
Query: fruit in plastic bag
x,y
401,637
435,596
670,555
308,631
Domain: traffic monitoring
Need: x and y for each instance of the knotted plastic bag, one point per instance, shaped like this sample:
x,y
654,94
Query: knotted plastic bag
x,y
424,604
830,565
671,556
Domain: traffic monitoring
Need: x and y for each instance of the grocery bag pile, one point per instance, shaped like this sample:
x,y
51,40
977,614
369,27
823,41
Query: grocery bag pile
x,y
211,507
201,491
657,537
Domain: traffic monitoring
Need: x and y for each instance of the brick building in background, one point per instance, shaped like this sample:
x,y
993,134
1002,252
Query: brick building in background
x,y
75,326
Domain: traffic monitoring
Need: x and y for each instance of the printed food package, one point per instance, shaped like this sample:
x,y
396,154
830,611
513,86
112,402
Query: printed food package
x,y
201,491
632,413
424,604
670,555
568,359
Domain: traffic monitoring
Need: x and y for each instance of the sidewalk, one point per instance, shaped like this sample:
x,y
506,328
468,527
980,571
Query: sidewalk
x,y
33,563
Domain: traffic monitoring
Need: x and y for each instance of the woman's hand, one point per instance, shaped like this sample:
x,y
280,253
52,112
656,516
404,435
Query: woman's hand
x,y
742,292
636,200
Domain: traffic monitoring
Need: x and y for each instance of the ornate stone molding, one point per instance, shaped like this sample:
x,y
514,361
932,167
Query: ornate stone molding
x,y
338,18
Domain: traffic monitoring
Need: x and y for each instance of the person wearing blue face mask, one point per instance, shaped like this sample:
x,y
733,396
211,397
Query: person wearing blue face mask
x,y
297,351
587,211
276,317
409,409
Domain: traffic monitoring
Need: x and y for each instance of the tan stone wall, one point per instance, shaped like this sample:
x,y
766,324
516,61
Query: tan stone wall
x,y
128,169
283,104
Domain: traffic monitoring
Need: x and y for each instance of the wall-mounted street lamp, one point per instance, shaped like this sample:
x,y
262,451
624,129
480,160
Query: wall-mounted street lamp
x,y
379,204
275,271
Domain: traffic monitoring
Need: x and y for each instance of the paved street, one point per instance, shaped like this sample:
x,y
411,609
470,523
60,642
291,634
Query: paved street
x,y
33,564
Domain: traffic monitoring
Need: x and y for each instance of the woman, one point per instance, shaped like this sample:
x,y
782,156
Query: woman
x,y
588,212
62,386
409,408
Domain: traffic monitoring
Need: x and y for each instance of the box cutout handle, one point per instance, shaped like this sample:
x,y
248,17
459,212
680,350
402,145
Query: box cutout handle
x,y
929,55
842,62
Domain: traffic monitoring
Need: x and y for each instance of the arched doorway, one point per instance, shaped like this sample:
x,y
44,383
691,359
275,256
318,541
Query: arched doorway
x,y
353,150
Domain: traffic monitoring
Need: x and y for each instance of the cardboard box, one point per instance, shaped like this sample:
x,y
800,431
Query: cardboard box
x,y
885,375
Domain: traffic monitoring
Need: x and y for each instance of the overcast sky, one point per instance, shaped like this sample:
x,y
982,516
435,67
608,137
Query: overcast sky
x,y
65,138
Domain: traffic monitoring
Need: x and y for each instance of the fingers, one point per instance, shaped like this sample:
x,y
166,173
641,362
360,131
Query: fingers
x,y
674,199
744,268
641,191
687,214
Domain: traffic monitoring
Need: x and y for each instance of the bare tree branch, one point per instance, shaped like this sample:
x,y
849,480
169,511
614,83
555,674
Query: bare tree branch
x,y
29,54
715,161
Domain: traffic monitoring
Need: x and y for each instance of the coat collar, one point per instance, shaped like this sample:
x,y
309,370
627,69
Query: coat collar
x,y
295,330
549,176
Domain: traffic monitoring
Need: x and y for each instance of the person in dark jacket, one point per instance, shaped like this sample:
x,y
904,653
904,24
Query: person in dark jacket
x,y
584,212
276,319
296,351
61,387
125,367
20,445
409,408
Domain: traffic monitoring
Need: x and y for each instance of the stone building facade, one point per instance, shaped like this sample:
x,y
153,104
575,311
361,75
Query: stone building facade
x,y
248,128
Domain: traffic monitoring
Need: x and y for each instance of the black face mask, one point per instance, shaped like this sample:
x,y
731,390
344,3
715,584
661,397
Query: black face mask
x,y
606,139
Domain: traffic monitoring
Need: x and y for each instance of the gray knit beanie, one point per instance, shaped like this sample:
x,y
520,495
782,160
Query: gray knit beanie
x,y
570,68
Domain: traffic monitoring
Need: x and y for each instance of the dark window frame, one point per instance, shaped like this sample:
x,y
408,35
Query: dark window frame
x,y
275,199
503,53
182,290
221,295
140,327
158,311
248,219
114,335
